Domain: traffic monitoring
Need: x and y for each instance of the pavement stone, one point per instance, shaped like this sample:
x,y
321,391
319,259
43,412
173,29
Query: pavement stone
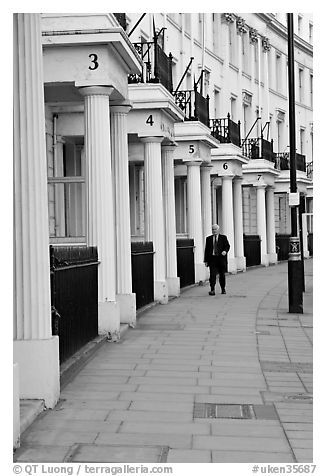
x,y
137,396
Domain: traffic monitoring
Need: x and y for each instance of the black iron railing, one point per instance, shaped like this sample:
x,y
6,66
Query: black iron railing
x,y
121,17
157,65
252,250
258,148
74,297
185,262
309,170
226,131
142,264
282,161
194,105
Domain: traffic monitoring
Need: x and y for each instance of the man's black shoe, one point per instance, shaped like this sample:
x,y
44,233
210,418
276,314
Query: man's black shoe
x,y
223,291
211,293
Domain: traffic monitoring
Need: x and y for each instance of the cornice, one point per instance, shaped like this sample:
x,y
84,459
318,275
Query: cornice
x,y
281,30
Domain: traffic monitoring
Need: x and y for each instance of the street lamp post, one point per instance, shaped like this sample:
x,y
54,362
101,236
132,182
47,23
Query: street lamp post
x,y
294,261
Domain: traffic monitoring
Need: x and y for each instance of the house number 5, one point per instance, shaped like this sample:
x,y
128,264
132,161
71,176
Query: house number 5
x,y
94,59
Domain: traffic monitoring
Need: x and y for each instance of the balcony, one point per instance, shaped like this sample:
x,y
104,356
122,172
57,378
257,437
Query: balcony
x,y
193,105
157,65
258,148
121,17
226,131
309,170
282,162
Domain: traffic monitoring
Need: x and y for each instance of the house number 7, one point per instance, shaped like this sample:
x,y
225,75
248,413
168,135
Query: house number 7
x,y
94,59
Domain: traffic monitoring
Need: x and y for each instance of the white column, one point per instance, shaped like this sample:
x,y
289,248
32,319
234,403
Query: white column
x,y
194,218
238,224
206,201
100,212
154,215
227,219
261,222
35,349
120,169
305,235
214,201
169,215
270,209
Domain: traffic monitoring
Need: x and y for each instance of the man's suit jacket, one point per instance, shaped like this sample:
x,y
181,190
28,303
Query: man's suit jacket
x,y
222,245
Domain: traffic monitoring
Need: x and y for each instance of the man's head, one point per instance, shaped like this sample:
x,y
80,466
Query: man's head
x,y
215,229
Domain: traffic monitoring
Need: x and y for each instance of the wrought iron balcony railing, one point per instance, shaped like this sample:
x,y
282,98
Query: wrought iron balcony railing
x,y
121,17
226,131
157,65
258,148
194,105
309,170
282,161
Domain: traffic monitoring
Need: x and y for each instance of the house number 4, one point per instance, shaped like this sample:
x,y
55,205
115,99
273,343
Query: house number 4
x,y
94,59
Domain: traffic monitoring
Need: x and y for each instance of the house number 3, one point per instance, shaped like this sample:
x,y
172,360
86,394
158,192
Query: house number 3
x,y
94,59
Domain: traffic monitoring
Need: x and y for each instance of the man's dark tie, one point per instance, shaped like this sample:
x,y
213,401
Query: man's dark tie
x,y
215,245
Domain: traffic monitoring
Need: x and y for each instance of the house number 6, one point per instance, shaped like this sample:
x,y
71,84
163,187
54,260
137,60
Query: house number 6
x,y
94,59
225,166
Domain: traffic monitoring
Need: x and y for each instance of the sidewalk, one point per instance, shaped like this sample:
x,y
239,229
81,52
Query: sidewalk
x,y
225,378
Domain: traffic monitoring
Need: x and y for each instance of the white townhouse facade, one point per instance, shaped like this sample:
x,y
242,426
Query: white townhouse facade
x,y
147,131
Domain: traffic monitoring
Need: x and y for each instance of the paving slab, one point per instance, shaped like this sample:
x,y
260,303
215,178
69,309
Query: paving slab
x,y
116,454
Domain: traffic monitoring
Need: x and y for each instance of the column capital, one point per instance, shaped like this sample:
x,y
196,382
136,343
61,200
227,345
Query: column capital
x,y
120,108
193,162
260,185
169,147
95,90
206,165
151,139
238,179
227,177
270,188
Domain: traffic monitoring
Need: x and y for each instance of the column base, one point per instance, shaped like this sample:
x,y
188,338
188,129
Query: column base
x,y
109,318
264,260
15,408
200,273
272,258
39,373
127,303
173,286
241,263
232,265
161,294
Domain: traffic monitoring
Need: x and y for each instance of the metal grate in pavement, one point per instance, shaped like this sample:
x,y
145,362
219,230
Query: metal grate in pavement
x,y
235,411
287,367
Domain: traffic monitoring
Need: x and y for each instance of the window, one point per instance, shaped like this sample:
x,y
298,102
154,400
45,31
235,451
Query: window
x,y
233,108
302,141
187,22
216,103
278,72
301,91
256,53
216,20
231,43
66,191
299,25
311,90
311,31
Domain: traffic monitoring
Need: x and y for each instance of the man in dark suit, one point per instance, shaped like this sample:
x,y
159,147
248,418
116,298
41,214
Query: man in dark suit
x,y
215,257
